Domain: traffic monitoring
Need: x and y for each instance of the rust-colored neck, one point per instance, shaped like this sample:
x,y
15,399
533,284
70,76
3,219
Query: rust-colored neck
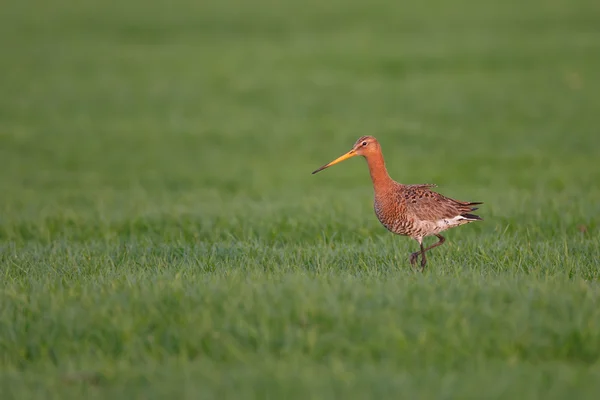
x,y
379,175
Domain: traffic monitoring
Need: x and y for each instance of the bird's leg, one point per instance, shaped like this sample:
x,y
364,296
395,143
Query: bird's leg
x,y
423,258
413,258
439,243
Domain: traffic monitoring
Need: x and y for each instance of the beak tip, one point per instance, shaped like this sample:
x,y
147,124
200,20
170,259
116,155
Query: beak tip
x,y
349,154
320,169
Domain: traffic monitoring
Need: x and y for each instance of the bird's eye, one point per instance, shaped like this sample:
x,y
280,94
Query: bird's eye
x,y
364,143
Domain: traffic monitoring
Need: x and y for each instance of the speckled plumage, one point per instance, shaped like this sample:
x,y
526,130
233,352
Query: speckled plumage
x,y
417,211
409,210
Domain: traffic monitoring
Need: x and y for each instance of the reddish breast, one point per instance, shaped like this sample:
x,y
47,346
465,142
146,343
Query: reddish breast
x,y
390,210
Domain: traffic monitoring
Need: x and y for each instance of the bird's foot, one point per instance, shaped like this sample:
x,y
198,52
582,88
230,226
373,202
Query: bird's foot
x,y
414,257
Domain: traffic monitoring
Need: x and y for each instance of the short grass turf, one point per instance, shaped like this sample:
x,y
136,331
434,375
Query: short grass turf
x,y
161,234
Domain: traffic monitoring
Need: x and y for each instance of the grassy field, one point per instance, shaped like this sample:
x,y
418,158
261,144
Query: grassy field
x,y
161,234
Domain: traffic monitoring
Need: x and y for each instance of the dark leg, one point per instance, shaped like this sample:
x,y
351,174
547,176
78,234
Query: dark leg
x,y
415,256
439,243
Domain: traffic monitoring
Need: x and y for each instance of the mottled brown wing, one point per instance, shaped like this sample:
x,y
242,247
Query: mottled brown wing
x,y
427,205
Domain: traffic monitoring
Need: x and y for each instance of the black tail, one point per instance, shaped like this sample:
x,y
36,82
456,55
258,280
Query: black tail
x,y
468,207
475,203
472,217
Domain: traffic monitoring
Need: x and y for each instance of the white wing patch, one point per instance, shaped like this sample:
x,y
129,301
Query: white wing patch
x,y
450,222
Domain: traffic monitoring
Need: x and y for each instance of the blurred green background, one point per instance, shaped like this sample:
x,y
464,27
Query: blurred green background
x,y
161,233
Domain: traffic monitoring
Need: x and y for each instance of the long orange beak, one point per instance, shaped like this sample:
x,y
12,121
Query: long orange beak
x,y
346,156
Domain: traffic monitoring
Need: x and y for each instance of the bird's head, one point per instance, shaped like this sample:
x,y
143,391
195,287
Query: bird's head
x,y
364,146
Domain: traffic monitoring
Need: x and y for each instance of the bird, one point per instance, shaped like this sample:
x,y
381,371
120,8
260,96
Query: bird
x,y
415,211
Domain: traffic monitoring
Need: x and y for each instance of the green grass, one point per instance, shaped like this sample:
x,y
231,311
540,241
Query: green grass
x,y
161,234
